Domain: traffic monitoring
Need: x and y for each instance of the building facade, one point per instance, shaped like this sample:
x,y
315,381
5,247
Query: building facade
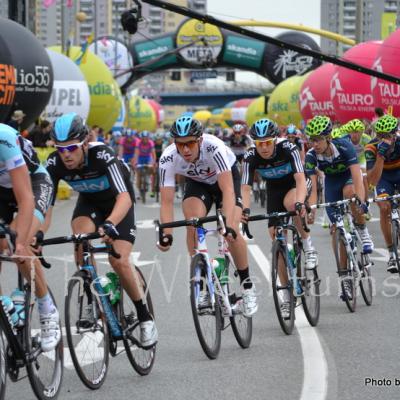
x,y
360,20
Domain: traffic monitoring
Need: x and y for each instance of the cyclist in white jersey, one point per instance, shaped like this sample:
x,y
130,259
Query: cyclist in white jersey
x,y
211,176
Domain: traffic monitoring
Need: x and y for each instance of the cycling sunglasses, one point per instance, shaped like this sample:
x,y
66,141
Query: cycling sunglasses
x,y
70,148
267,142
191,145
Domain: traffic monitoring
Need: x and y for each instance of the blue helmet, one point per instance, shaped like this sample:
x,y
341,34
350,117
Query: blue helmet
x,y
291,129
69,127
144,134
264,128
186,126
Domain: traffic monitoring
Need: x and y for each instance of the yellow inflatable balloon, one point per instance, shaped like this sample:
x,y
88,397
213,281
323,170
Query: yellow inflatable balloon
x,y
203,116
283,105
104,96
141,115
255,111
217,118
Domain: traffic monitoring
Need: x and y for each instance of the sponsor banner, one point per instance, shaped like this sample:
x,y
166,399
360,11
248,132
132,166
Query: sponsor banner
x,y
244,52
207,42
388,24
153,49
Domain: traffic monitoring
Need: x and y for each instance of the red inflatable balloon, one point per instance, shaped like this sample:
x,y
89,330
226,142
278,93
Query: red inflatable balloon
x,y
157,109
315,96
387,93
350,90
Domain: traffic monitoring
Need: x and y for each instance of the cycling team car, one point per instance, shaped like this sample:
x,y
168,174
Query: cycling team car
x,y
105,202
26,189
337,159
212,176
383,166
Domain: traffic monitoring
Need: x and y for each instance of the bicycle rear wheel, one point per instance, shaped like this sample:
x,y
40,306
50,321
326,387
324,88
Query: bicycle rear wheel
x,y
142,360
242,326
310,284
347,274
396,241
207,320
87,332
283,293
45,370
3,366
366,279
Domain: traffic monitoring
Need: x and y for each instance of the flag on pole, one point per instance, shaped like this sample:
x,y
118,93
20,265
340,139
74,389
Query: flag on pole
x,y
69,3
84,50
48,3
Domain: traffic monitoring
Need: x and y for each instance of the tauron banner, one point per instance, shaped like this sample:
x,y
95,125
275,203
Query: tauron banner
x,y
33,71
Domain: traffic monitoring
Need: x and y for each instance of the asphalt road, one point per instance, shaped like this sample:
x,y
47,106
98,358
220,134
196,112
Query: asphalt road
x,y
332,361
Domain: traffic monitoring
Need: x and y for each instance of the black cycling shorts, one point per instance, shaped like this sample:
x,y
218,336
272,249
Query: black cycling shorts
x,y
275,196
42,187
210,194
99,212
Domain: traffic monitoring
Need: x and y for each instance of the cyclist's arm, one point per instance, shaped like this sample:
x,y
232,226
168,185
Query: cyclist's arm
x,y
246,195
121,207
357,180
167,195
301,187
375,164
135,157
312,200
120,151
22,189
247,178
225,183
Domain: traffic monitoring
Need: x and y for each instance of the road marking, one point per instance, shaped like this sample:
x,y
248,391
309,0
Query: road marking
x,y
145,224
384,255
315,380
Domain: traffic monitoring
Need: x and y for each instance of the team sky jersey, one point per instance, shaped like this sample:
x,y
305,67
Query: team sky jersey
x,y
214,158
239,147
392,161
102,177
344,155
14,152
278,169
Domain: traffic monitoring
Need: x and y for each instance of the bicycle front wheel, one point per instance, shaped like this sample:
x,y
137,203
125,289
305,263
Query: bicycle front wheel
x,y
283,292
207,317
142,360
366,279
242,326
3,366
346,275
45,370
87,332
396,241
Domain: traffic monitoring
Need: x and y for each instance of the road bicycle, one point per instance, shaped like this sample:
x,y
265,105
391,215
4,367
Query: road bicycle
x,y
220,285
20,346
353,266
289,277
94,326
145,174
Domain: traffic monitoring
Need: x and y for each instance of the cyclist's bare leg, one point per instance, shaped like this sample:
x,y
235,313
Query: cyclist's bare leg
x,y
192,207
386,225
359,217
289,202
238,248
126,271
82,225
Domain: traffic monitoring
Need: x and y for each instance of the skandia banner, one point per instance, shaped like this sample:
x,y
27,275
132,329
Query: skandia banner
x,y
153,49
206,39
314,97
387,94
240,51
350,90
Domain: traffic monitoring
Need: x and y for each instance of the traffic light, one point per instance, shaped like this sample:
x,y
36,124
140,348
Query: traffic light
x,y
230,76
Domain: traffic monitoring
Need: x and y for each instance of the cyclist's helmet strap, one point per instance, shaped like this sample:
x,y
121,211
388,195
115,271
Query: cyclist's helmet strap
x,y
186,126
319,126
264,128
69,127
386,124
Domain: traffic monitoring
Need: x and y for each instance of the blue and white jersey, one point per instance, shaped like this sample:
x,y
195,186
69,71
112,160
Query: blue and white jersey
x,y
14,152
214,158
280,168
344,155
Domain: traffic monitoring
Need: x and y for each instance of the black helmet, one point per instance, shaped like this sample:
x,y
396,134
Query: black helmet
x,y
69,127
186,126
264,128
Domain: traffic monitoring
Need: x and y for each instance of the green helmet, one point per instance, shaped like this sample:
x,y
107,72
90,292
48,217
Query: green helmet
x,y
319,126
337,133
355,125
386,124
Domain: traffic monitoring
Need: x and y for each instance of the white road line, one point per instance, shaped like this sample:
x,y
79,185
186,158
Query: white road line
x,y
315,380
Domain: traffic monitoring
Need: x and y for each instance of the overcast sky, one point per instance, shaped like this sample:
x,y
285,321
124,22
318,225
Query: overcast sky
x,y
306,12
